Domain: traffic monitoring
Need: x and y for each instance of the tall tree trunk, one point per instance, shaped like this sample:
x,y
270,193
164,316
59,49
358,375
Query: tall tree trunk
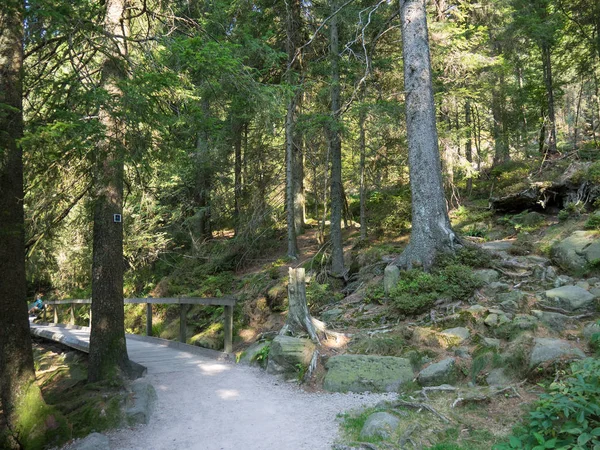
x,y
335,144
547,65
501,152
292,249
363,189
469,147
20,396
203,179
237,128
298,173
431,231
108,350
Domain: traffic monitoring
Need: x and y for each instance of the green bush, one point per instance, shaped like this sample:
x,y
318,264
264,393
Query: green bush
x,y
593,173
318,295
567,417
417,291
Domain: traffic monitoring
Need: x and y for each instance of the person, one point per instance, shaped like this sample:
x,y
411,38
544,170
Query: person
x,y
37,306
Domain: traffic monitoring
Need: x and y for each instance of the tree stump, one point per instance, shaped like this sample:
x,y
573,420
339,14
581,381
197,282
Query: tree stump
x,y
299,319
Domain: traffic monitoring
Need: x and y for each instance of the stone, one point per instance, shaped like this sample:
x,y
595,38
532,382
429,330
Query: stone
x,y
583,284
498,246
569,253
332,315
391,275
463,352
554,321
551,273
140,403
286,353
366,373
525,322
512,296
509,305
498,378
425,336
486,276
443,372
491,343
94,441
477,310
491,320
548,350
562,280
250,354
592,253
595,291
590,329
455,336
380,424
499,286
570,298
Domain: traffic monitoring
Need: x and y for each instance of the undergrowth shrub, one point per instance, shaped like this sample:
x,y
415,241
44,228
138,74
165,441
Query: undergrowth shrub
x,y
567,417
417,291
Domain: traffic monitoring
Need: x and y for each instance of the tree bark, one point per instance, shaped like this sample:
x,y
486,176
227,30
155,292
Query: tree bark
x,y
108,350
298,319
469,147
203,180
431,231
547,65
335,144
363,189
292,249
237,128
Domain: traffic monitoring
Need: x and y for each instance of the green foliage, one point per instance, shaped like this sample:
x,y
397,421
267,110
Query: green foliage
x,y
417,291
319,295
593,173
380,344
567,417
262,356
571,210
389,211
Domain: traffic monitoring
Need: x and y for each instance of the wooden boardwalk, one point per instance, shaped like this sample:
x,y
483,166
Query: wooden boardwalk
x,y
157,355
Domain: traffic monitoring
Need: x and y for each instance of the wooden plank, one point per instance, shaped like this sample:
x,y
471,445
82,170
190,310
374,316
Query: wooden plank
x,y
218,301
228,329
148,319
183,323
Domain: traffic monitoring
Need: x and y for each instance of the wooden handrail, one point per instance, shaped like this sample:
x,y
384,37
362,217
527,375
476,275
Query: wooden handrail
x,y
228,302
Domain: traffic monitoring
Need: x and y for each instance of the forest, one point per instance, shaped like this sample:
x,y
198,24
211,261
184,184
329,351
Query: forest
x,y
197,148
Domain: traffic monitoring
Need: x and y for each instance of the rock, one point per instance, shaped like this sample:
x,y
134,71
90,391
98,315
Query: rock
x,y
497,377
94,441
380,424
455,336
499,286
547,350
491,320
250,354
286,353
463,352
562,280
332,315
363,373
487,276
554,321
583,284
590,329
477,310
443,372
551,273
491,343
509,305
512,296
425,336
570,252
525,322
391,275
595,291
570,298
140,403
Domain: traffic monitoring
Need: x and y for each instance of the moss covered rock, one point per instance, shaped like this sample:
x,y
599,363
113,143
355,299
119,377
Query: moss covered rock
x,y
362,373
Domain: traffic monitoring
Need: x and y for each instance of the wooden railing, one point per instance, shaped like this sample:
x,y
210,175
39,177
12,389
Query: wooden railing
x,y
185,303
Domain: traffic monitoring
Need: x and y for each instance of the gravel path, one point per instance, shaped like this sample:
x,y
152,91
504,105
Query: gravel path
x,y
220,405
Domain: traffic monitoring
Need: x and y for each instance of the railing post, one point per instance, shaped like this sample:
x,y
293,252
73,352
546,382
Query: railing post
x,y
228,329
148,319
72,314
55,314
182,323
44,313
90,325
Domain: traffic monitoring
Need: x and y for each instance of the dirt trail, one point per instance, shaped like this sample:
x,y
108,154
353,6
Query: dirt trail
x,y
221,406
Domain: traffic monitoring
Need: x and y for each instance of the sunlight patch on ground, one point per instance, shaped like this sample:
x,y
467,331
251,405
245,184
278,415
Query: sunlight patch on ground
x,y
228,394
213,369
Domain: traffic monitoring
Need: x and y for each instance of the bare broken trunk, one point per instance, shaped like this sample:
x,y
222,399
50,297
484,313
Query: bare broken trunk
x,y
299,320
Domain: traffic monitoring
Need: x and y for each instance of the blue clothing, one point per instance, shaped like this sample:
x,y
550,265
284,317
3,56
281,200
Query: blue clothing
x,y
39,304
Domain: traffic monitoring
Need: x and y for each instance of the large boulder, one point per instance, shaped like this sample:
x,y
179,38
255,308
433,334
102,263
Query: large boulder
x,y
553,321
140,403
443,372
487,276
548,350
287,354
380,424
576,251
571,298
251,354
453,337
366,373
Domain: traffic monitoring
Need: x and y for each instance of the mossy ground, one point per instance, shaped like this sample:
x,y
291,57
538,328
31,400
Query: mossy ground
x,y
87,407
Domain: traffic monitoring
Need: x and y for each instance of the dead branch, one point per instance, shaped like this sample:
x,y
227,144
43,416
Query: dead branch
x,y
420,406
